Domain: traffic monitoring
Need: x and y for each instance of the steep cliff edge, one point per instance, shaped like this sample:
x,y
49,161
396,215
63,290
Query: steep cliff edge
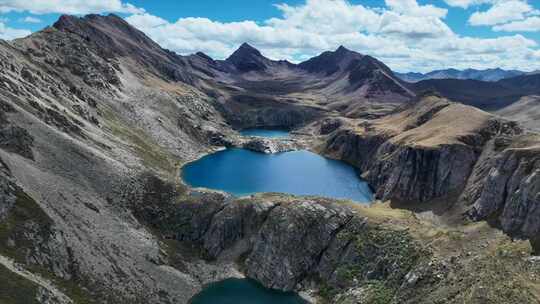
x,y
439,152
424,152
505,187
343,253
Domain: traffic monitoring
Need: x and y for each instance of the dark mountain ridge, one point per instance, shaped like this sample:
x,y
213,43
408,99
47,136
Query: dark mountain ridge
x,y
247,59
330,62
487,95
484,75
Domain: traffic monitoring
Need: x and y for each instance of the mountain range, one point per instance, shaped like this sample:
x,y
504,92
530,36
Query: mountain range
x,y
97,120
484,75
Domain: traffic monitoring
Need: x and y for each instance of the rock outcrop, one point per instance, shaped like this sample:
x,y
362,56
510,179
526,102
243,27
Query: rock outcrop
x,y
414,156
290,244
267,145
479,164
505,186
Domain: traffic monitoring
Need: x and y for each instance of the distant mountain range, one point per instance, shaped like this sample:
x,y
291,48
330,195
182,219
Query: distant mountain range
x,y
341,80
484,75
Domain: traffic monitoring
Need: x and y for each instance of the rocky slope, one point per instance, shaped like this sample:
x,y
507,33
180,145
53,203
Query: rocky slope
x,y
347,254
505,186
80,120
96,118
526,111
456,159
414,155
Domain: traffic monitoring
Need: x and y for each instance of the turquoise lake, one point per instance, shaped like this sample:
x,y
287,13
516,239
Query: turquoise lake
x,y
270,133
243,172
243,291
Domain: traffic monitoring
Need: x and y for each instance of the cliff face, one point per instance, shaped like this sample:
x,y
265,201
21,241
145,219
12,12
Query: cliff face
x,y
343,253
480,164
415,156
290,243
506,186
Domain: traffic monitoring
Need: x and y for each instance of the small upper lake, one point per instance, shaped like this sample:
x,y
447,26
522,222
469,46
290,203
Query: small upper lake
x,y
243,291
243,172
270,133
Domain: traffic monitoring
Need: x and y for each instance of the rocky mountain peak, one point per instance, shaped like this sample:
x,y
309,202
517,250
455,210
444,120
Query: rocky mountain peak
x,y
246,47
247,58
330,62
204,56
341,49
77,24
245,51
112,36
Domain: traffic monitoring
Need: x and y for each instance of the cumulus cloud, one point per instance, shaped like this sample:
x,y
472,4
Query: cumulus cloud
x,y
531,24
467,3
30,19
75,7
8,33
302,30
412,8
405,35
413,27
502,12
323,16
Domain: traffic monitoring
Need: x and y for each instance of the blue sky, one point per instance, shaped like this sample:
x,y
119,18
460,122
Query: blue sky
x,y
408,35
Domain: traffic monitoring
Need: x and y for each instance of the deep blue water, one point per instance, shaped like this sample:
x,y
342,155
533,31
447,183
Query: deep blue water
x,y
242,172
243,291
272,133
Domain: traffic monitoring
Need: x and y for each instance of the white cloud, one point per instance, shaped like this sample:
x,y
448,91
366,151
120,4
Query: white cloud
x,y
8,33
302,30
75,7
502,12
413,27
405,35
531,24
412,8
467,3
147,21
30,19
323,16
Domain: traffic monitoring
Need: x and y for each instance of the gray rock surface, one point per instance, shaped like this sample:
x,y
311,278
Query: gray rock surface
x,y
403,159
507,186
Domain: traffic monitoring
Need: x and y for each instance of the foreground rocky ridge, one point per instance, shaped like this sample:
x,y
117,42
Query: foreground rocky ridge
x,y
96,118
345,253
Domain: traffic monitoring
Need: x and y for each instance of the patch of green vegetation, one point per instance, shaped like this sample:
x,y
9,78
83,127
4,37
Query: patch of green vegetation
x,y
27,213
381,259
15,289
498,279
24,212
385,254
327,292
145,148
379,293
70,288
